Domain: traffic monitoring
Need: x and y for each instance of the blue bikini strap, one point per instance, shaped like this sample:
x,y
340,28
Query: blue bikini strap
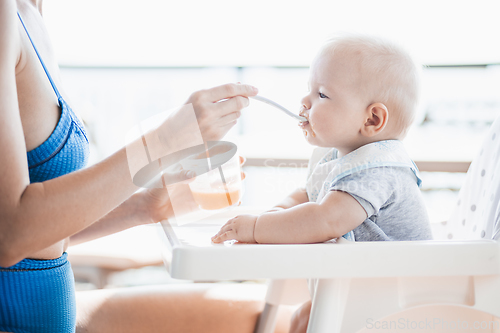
x,y
41,61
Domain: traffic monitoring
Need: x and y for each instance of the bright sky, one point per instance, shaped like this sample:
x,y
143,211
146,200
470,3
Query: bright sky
x,y
264,32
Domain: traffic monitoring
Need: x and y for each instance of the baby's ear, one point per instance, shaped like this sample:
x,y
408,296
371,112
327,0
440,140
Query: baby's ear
x,y
376,120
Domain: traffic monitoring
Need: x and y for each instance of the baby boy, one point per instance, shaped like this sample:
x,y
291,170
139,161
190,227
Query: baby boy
x,y
361,102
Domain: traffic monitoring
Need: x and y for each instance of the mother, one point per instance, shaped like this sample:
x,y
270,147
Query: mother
x,y
47,203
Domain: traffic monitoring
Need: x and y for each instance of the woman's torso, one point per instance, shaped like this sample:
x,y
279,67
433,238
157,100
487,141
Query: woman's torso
x,y
38,104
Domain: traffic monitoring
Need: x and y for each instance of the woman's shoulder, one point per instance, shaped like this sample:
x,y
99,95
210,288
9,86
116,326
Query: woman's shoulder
x,y
7,5
8,16
9,32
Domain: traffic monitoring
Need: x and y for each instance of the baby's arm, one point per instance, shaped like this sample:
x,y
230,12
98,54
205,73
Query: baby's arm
x,y
297,197
337,214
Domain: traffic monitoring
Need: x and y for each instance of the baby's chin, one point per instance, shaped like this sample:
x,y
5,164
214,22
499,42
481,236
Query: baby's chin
x,y
314,139
311,137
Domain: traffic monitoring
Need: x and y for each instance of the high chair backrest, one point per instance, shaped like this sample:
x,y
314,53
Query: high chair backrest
x,y
477,211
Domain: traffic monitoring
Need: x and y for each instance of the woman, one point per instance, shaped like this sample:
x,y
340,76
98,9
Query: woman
x,y
47,203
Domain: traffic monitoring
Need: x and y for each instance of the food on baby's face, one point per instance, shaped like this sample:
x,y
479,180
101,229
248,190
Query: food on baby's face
x,y
304,125
312,130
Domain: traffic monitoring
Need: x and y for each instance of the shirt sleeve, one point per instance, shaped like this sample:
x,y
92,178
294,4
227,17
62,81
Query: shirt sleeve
x,y
372,188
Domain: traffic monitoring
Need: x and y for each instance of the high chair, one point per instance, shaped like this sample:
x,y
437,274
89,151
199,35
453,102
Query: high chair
x,y
360,286
450,283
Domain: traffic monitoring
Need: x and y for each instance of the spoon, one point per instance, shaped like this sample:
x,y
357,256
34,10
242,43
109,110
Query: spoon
x,y
276,105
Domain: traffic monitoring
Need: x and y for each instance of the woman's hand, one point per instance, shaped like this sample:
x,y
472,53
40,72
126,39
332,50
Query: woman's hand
x,y
207,116
157,206
217,109
154,205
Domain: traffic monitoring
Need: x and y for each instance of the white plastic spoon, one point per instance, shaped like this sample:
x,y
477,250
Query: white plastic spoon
x,y
276,105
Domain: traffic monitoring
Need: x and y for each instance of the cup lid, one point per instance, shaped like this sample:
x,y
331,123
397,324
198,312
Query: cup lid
x,y
199,159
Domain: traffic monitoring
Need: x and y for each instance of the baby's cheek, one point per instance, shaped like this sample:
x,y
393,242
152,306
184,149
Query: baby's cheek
x,y
316,126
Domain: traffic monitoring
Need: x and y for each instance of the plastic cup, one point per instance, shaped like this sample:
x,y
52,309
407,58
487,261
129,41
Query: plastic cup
x,y
220,187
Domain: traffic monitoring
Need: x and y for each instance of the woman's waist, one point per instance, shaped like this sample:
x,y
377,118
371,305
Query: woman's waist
x,y
52,252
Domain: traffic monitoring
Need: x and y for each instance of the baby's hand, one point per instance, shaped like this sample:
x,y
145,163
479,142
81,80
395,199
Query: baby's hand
x,y
240,228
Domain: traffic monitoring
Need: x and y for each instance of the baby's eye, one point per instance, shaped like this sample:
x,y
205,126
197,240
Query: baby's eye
x,y
321,95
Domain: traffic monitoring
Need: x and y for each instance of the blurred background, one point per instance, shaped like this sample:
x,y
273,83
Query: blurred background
x,y
123,61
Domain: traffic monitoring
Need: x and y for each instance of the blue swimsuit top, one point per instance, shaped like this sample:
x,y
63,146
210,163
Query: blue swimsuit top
x,y
66,149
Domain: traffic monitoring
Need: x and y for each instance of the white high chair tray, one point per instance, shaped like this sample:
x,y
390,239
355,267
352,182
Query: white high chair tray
x,y
189,254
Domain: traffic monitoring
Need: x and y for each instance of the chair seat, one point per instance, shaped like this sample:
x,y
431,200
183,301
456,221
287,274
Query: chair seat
x,y
193,257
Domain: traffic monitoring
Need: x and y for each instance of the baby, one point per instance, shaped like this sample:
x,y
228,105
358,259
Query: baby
x,y
361,102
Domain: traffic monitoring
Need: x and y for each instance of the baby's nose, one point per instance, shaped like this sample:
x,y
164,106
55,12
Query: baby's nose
x,y
305,101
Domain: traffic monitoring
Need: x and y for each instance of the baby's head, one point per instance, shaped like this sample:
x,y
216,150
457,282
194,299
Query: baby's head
x,y
362,89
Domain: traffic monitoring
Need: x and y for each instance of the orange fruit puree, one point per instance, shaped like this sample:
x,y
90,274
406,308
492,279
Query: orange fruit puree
x,y
216,200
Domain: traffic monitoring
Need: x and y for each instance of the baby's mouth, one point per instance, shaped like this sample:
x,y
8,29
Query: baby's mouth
x,y
302,124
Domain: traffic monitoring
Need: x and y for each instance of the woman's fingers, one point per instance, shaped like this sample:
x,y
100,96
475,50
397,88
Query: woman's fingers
x,y
178,175
231,105
225,128
217,109
184,176
230,118
230,90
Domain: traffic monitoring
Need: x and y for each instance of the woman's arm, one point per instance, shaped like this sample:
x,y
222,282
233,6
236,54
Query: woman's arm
x,y
35,216
41,214
132,212
148,206
144,207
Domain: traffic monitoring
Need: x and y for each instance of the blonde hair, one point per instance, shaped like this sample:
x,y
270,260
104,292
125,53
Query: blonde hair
x,y
388,74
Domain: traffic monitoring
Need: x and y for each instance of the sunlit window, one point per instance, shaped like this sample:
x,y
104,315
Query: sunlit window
x,y
124,60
